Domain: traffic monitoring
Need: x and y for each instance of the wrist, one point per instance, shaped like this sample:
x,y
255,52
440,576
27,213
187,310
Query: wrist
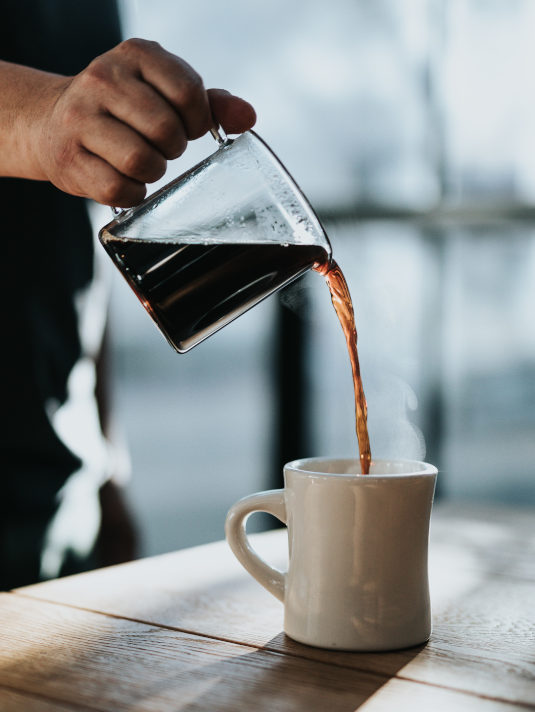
x,y
29,96
35,128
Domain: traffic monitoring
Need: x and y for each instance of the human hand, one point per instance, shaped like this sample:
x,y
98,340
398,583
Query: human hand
x,y
111,129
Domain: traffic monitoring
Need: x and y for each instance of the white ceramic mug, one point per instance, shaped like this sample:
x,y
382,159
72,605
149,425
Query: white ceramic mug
x,y
357,576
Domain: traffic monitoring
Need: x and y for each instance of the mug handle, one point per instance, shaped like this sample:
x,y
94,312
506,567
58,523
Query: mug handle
x,y
272,502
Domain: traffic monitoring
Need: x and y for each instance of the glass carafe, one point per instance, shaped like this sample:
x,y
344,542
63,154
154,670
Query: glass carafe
x,y
216,240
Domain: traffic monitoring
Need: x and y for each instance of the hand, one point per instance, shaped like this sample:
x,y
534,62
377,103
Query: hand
x,y
111,129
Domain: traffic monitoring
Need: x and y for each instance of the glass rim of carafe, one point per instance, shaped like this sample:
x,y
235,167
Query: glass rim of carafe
x,y
120,215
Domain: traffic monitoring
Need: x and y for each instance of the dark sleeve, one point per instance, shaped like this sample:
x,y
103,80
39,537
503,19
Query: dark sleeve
x,y
60,36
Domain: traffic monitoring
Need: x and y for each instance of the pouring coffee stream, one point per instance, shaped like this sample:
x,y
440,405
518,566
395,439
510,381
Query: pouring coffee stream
x,y
343,306
221,238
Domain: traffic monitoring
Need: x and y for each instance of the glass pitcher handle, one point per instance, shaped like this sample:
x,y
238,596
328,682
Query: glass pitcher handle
x,y
218,134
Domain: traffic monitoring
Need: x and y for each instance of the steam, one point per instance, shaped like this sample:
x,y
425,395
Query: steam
x,y
393,433
392,402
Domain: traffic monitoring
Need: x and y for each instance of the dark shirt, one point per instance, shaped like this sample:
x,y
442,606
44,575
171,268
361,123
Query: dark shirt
x,y
47,260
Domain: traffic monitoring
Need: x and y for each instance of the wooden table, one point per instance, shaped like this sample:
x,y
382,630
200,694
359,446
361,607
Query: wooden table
x,y
191,631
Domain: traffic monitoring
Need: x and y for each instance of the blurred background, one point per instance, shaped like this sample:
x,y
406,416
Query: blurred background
x,y
411,128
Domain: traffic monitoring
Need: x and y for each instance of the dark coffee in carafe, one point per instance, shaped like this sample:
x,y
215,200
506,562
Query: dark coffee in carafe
x,y
192,290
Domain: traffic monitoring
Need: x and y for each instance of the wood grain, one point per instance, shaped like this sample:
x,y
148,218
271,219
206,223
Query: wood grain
x,y
14,701
93,661
482,570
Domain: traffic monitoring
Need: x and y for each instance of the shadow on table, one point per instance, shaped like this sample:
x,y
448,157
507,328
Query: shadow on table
x,y
82,658
297,679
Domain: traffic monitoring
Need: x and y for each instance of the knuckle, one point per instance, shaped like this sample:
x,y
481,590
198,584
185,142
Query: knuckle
x,y
164,130
144,165
156,171
121,192
191,91
179,146
137,45
113,190
72,114
134,161
97,72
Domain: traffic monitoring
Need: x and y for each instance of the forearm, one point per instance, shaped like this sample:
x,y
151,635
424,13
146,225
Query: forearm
x,y
26,95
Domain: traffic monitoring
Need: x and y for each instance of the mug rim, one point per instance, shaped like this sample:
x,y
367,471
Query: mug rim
x,y
305,466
